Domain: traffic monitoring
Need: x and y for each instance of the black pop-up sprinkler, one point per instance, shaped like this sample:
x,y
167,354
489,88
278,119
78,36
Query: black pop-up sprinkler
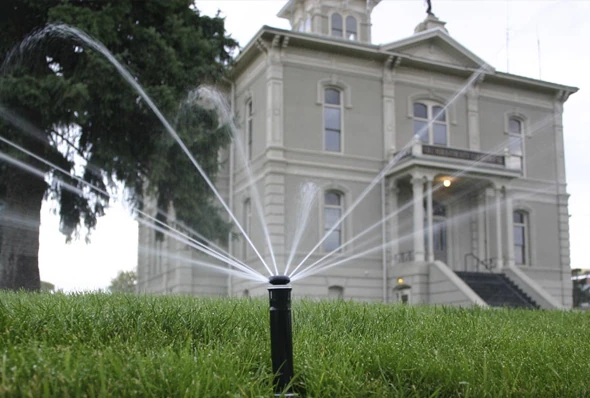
x,y
281,336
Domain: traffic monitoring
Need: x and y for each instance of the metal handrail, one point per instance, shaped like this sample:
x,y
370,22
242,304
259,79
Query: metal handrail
x,y
403,257
488,264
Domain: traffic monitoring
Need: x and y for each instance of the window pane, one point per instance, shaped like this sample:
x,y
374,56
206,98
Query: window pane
x,y
519,255
519,236
332,118
515,126
421,128
331,216
332,199
332,140
332,242
439,114
515,145
518,217
308,24
332,96
336,25
420,111
439,134
351,28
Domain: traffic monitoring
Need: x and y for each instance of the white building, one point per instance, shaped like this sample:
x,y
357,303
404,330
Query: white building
x,y
473,161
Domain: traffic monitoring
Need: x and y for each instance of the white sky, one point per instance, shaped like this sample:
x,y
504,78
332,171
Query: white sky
x,y
561,26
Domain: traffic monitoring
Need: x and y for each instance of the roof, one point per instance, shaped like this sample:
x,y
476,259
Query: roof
x,y
465,62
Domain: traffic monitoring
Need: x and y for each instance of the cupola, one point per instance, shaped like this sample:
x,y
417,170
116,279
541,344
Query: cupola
x,y
341,19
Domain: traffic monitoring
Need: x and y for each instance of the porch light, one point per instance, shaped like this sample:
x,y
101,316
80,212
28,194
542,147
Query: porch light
x,y
400,281
446,182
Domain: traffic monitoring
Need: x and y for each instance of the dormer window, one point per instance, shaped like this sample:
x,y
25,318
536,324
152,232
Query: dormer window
x,y
351,28
337,25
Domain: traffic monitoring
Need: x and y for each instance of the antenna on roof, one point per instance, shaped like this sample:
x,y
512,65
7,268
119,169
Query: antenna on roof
x,y
508,36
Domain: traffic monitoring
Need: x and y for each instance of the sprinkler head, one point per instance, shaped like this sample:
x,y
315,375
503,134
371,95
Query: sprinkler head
x,y
279,280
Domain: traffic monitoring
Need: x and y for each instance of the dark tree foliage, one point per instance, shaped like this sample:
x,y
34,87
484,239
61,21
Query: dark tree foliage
x,y
77,105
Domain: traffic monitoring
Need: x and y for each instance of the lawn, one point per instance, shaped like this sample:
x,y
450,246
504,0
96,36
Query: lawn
x,y
124,345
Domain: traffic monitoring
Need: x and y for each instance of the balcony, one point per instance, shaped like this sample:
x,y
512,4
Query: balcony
x,y
421,154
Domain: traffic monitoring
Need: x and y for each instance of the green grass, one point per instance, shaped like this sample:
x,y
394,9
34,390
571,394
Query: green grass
x,y
123,345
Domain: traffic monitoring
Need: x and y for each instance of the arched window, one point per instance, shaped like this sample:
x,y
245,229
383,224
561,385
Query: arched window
x,y
336,292
351,28
336,25
247,226
332,213
249,128
430,123
332,120
521,247
515,142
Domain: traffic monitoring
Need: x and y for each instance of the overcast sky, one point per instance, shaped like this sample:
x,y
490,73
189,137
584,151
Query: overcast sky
x,y
561,27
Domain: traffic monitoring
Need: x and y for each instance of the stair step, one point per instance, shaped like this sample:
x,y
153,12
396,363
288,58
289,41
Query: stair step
x,y
496,289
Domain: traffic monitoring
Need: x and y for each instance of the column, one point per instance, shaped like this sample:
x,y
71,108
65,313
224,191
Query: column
x,y
499,252
429,216
509,229
418,190
392,223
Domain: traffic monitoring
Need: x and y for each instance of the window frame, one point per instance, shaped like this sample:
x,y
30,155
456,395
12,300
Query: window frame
x,y
336,292
430,122
356,28
340,227
340,108
525,226
520,135
342,22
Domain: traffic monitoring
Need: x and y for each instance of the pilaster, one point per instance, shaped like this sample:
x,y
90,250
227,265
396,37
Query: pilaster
x,y
389,127
417,198
473,116
274,93
499,251
392,220
562,196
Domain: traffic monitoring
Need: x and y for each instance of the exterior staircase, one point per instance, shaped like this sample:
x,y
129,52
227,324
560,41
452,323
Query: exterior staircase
x,y
497,290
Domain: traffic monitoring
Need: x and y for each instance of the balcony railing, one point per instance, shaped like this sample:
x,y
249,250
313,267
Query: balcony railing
x,y
421,150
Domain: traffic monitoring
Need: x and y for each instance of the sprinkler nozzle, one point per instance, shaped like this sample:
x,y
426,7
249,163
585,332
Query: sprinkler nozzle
x,y
278,280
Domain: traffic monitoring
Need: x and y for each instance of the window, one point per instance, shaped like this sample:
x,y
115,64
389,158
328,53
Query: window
x,y
337,25
520,238
336,292
308,24
249,128
332,120
351,32
332,213
515,142
247,226
430,123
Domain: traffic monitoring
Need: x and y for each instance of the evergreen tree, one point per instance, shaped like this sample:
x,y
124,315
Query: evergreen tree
x,y
79,107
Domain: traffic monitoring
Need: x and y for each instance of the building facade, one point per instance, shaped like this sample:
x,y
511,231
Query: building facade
x,y
443,166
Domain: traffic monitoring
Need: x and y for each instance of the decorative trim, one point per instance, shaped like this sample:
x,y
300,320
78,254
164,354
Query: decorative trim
x,y
334,81
431,95
518,115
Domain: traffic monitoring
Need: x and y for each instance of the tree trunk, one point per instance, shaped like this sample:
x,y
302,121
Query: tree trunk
x,y
19,231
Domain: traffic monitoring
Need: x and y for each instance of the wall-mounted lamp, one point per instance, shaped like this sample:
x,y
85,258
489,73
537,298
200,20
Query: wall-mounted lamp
x,y
400,281
446,182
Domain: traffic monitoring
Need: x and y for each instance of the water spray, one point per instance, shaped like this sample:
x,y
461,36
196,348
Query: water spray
x,y
281,336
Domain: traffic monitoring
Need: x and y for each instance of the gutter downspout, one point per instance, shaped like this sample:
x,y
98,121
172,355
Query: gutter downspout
x,y
383,241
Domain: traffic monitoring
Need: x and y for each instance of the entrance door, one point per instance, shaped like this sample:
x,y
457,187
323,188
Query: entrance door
x,y
439,232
